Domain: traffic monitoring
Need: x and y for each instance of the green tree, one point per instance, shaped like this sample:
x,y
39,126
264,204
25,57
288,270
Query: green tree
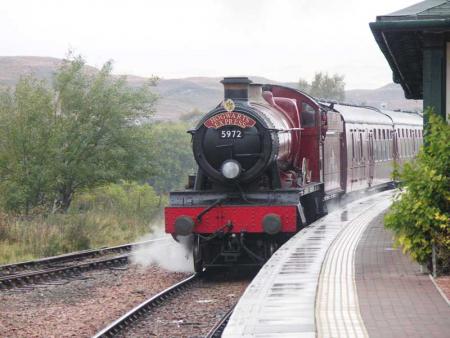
x,y
303,85
79,134
26,117
192,117
173,158
420,216
328,87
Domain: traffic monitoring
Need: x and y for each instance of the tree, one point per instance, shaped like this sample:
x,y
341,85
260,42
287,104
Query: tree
x,y
26,116
303,85
173,158
420,216
192,117
324,86
328,87
79,134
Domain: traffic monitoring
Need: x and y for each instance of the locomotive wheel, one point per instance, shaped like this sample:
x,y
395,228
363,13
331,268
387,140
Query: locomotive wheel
x,y
197,255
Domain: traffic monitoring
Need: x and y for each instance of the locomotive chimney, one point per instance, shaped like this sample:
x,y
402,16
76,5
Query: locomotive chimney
x,y
236,88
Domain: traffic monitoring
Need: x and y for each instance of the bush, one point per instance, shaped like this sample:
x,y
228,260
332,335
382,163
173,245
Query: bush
x,y
420,215
173,159
109,215
126,198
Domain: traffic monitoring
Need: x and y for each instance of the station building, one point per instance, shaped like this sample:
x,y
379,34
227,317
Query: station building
x,y
416,44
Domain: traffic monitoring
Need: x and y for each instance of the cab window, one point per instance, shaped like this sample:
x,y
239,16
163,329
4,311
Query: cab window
x,y
308,115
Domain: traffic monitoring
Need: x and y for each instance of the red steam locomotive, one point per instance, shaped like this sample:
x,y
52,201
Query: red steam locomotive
x,y
269,158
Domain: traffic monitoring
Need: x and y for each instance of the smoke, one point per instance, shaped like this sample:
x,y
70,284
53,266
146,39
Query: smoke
x,y
166,253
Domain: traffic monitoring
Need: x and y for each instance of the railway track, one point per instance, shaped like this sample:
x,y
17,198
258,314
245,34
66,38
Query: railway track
x,y
164,311
217,330
67,265
135,314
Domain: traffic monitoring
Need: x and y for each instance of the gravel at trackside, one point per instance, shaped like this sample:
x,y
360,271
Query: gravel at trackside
x,y
192,313
80,307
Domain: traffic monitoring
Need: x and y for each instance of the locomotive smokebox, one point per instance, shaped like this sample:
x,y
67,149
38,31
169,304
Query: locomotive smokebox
x,y
242,139
236,88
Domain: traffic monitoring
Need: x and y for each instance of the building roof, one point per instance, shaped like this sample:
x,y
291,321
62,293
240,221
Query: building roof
x,y
401,37
422,10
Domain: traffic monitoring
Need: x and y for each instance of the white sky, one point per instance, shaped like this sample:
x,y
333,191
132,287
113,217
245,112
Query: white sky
x,y
278,39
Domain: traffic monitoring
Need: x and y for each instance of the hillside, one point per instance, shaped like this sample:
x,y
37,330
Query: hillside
x,y
390,95
181,96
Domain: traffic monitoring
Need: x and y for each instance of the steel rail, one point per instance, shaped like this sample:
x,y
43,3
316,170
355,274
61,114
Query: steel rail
x,y
33,277
219,327
91,253
126,320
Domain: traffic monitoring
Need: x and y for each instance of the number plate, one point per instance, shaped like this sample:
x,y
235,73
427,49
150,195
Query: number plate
x,y
231,133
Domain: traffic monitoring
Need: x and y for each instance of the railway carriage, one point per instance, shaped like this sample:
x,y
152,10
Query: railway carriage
x,y
269,157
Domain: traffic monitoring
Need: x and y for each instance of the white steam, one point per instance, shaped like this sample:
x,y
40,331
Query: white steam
x,y
167,254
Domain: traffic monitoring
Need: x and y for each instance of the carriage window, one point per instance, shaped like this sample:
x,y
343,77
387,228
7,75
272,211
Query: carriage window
x,y
375,146
308,115
356,150
361,147
353,145
388,144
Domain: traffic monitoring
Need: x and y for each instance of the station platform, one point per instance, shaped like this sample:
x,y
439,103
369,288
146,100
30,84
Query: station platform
x,y
340,277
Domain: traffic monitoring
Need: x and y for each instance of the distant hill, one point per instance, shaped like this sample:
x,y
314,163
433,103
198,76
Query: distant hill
x,y
181,96
390,95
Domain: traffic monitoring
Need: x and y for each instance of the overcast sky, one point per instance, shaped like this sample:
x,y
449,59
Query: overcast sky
x,y
278,39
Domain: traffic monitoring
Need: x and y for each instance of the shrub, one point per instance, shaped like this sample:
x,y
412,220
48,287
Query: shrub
x,y
125,198
420,215
104,216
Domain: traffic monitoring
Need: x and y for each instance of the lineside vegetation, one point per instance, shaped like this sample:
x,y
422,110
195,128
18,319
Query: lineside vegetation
x,y
81,165
420,216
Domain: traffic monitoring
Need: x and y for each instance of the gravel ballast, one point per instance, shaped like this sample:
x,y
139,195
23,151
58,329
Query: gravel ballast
x,y
82,306
193,312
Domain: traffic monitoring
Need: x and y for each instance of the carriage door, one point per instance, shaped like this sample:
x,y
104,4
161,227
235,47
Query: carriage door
x,y
371,162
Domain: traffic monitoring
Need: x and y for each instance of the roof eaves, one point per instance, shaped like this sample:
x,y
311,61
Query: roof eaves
x,y
398,77
410,23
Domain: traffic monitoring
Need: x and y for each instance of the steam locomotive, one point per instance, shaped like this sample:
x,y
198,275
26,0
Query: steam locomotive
x,y
269,158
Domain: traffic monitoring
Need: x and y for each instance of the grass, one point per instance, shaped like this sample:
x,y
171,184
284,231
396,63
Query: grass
x,y
106,216
25,239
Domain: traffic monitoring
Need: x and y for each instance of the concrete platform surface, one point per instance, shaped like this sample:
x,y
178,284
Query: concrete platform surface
x,y
282,300
395,298
341,277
